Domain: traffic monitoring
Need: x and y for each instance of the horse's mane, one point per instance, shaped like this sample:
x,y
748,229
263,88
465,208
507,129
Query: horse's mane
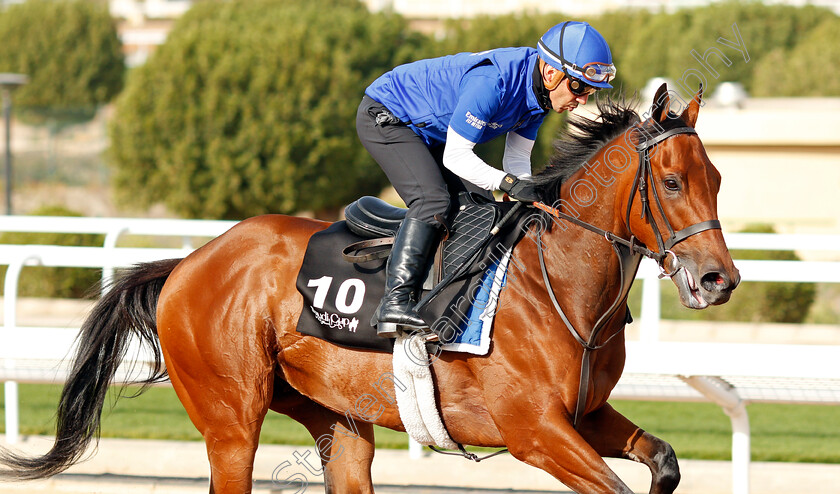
x,y
581,140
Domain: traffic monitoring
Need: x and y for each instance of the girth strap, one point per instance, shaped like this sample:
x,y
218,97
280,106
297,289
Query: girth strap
x,y
583,387
466,454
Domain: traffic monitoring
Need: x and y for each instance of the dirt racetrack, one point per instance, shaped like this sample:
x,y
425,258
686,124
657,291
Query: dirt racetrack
x,y
127,466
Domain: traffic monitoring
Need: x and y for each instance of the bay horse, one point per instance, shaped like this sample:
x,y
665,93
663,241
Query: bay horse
x,y
225,320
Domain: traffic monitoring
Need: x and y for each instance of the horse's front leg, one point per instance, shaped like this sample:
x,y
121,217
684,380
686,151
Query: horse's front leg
x,y
614,436
551,443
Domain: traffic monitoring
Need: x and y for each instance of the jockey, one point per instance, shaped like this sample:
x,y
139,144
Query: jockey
x,y
421,121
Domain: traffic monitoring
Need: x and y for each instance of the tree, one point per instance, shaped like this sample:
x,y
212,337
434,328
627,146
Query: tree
x,y
650,48
71,53
486,32
663,45
613,26
783,72
249,107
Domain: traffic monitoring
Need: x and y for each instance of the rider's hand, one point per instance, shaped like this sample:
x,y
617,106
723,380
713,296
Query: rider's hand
x,y
520,189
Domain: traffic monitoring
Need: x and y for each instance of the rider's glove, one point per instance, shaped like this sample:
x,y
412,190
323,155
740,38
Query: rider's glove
x,y
520,189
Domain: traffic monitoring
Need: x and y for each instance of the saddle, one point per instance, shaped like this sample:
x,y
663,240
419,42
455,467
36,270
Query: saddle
x,y
371,217
339,296
376,220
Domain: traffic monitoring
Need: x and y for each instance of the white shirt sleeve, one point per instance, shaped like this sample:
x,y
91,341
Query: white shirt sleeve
x,y
459,157
517,159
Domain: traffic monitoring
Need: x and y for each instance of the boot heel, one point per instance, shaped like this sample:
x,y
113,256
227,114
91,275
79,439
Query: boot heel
x,y
387,330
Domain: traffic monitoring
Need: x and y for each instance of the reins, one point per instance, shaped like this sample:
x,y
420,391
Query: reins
x,y
634,248
608,235
588,346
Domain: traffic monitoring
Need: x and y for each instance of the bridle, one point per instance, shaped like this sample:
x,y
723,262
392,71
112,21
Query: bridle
x,y
640,184
628,252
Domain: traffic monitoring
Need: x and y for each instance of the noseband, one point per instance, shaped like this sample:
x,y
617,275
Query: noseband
x,y
625,250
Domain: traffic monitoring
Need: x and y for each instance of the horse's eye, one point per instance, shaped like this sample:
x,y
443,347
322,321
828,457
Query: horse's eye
x,y
671,184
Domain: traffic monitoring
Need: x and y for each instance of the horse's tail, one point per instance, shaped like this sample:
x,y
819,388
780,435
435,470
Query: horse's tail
x,y
128,308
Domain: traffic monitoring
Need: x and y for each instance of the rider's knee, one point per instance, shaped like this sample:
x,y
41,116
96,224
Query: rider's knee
x,y
428,207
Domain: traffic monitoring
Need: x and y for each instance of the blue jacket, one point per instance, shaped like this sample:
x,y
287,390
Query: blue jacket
x,y
481,95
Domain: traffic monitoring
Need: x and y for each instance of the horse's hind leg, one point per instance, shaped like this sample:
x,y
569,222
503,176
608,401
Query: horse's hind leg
x,y
229,418
614,436
346,446
226,399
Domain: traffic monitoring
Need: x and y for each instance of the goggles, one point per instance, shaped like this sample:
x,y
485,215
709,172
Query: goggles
x,y
580,88
593,71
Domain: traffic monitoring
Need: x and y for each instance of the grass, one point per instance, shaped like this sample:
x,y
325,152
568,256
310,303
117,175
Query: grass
x,y
793,433
157,414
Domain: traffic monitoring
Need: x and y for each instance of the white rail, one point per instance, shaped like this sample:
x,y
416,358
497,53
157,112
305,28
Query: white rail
x,y
116,228
731,375
728,374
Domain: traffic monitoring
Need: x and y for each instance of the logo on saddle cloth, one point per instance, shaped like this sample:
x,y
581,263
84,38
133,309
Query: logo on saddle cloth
x,y
335,320
340,297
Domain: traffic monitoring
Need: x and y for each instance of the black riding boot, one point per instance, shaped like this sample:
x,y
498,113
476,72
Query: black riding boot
x,y
403,276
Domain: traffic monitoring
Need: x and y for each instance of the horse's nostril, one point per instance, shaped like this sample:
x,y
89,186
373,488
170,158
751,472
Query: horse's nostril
x,y
714,281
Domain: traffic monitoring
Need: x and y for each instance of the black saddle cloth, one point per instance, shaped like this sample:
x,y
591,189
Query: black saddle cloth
x,y
340,297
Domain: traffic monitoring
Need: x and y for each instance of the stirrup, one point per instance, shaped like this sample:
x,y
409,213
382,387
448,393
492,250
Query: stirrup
x,y
431,337
426,334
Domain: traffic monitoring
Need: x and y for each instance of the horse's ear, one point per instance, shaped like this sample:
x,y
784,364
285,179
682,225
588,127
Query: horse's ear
x,y
661,103
689,116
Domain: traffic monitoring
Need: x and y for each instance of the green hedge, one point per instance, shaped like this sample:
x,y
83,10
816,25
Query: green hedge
x,y
53,282
71,53
782,71
782,43
249,107
662,45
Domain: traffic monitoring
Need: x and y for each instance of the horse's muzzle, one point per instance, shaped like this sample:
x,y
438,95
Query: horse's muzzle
x,y
702,287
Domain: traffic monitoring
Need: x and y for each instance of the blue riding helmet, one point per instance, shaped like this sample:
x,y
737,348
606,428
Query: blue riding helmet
x,y
579,51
